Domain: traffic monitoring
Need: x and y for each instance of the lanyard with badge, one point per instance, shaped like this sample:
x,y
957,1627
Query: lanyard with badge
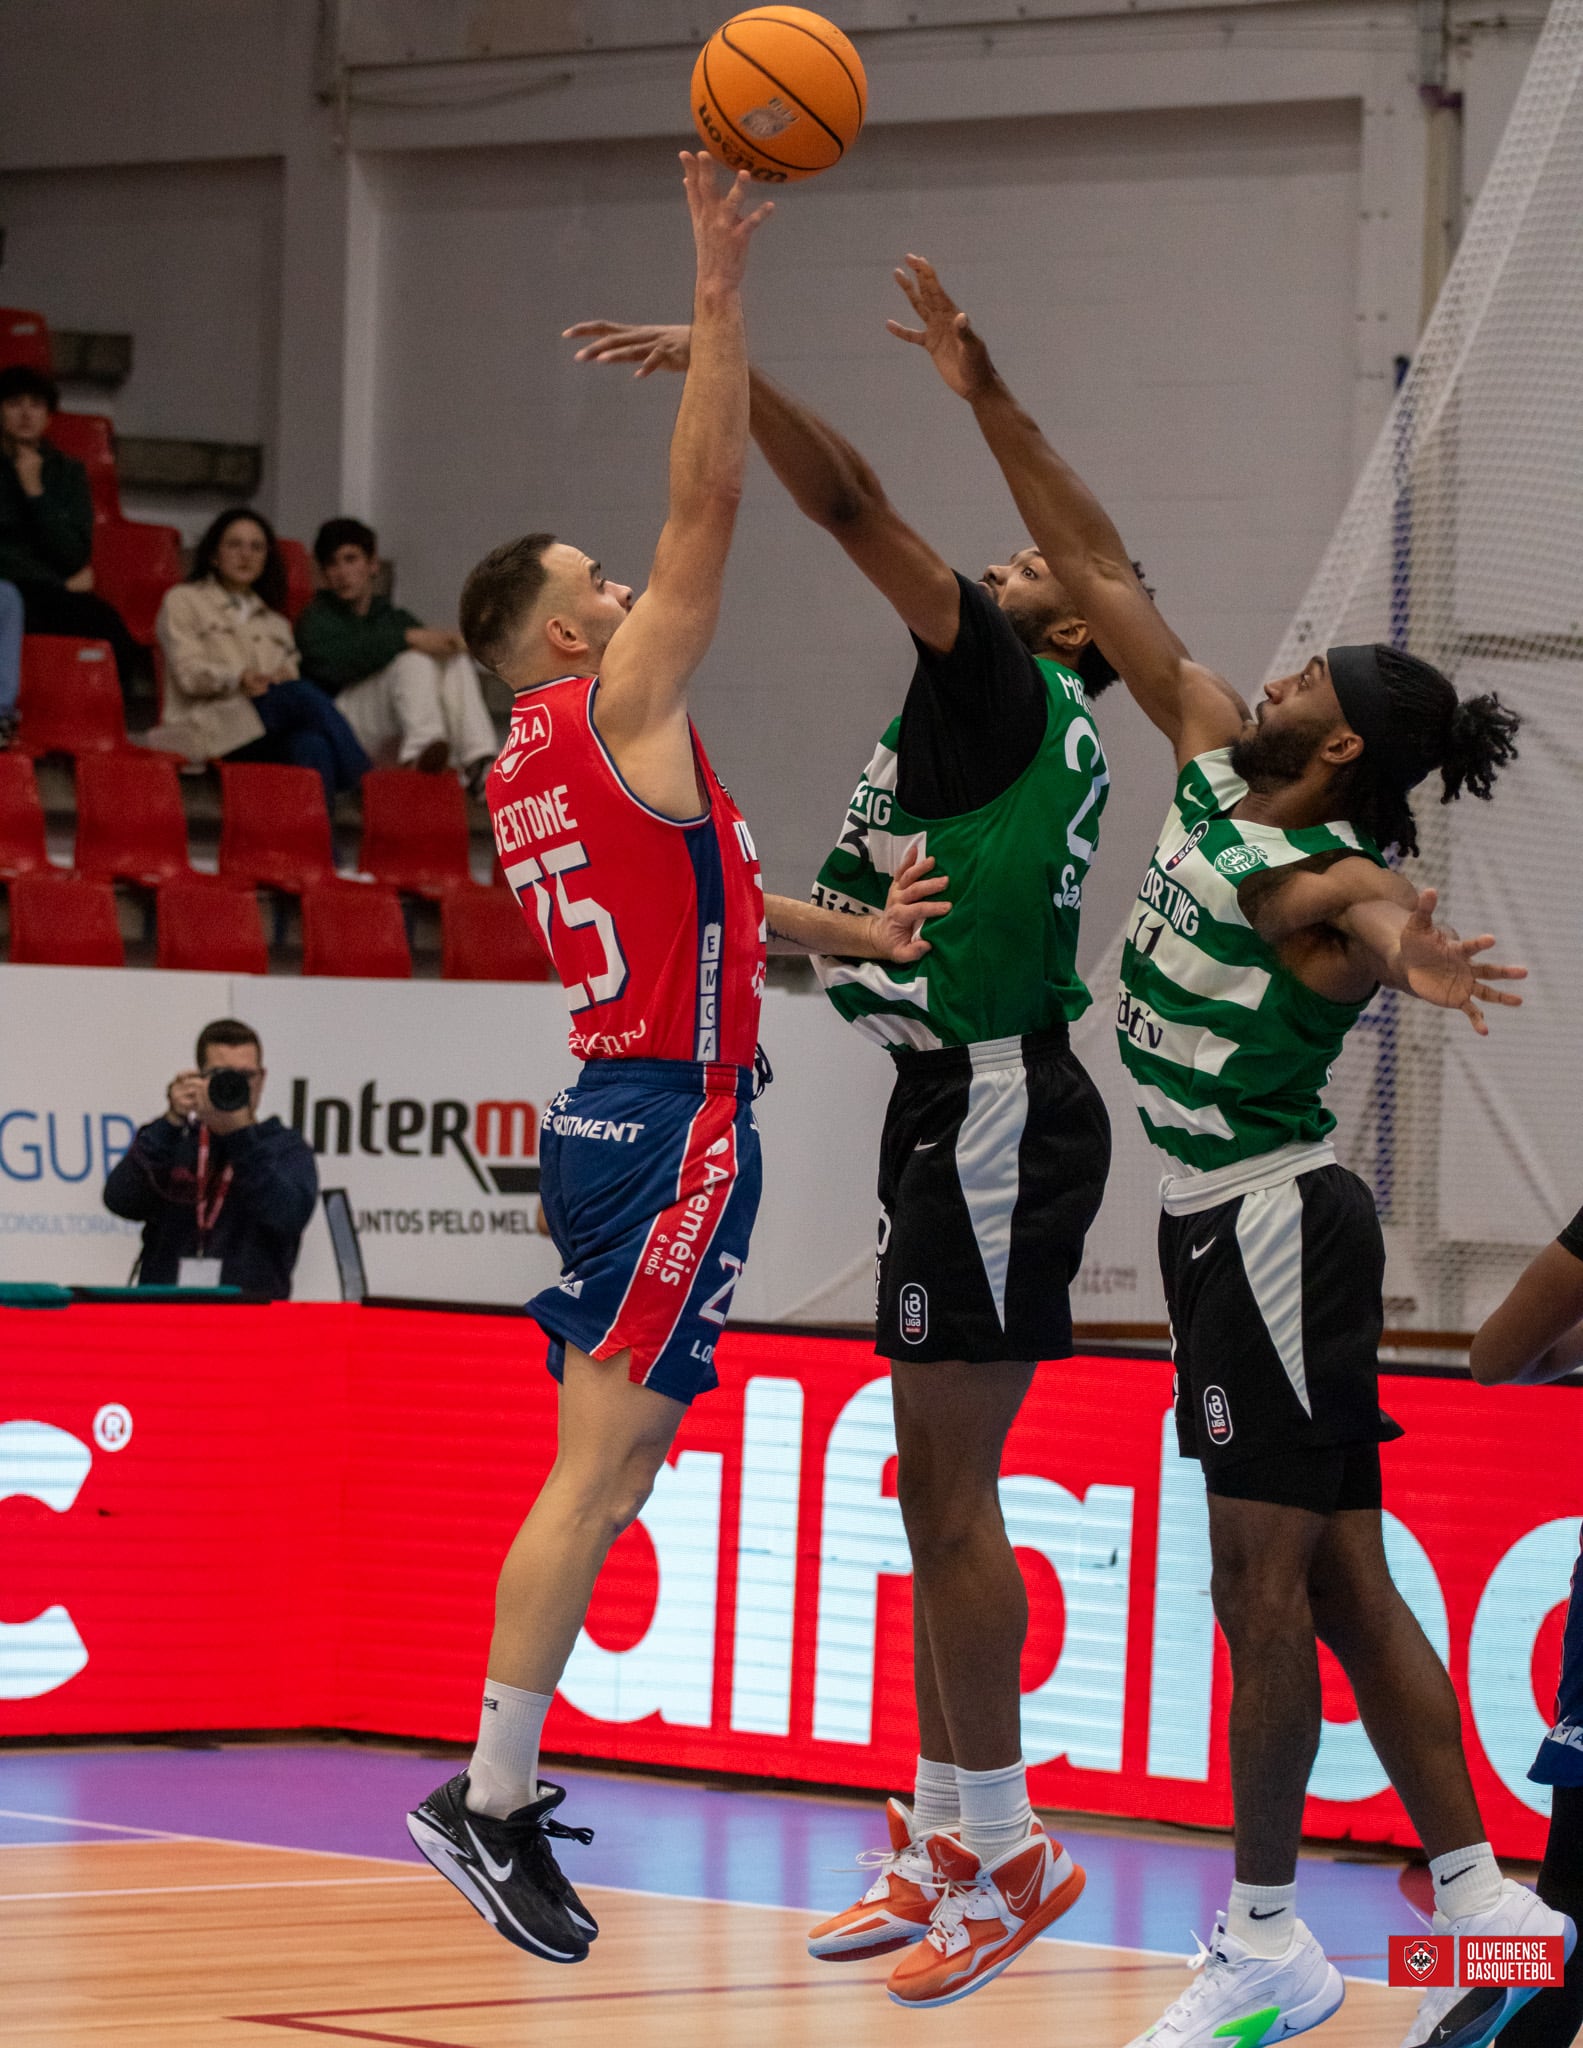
x,y
203,1271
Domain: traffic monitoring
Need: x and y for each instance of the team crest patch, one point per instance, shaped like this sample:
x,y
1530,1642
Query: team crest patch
x,y
1238,861
914,1313
1187,845
529,735
1217,1415
766,122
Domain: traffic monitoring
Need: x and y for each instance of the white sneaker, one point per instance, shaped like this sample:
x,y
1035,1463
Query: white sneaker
x,y
1246,1999
1468,2019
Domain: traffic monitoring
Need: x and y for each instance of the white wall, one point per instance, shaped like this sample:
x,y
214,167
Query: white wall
x,y
183,257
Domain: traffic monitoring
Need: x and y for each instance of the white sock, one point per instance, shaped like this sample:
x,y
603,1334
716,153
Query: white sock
x,y
1466,1880
504,1772
996,1814
1263,1917
934,1801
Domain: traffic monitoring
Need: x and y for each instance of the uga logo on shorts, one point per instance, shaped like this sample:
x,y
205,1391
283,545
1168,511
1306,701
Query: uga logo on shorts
x,y
529,735
914,1313
1217,1415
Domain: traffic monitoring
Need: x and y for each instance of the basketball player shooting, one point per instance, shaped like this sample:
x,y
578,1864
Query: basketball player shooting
x,y
992,1163
1266,921
640,874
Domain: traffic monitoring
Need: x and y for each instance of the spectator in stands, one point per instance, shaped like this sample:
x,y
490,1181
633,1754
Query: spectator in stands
x,y
223,1199
46,524
232,690
10,660
409,691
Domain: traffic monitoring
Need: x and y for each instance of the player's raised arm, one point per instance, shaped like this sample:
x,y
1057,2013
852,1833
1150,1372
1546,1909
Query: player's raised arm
x,y
642,704
1195,708
825,475
1390,933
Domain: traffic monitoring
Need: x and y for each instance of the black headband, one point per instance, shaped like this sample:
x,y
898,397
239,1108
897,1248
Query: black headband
x,y
1366,706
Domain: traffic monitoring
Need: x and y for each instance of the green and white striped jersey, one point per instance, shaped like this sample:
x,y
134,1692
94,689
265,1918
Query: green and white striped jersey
x,y
1227,1049
1003,963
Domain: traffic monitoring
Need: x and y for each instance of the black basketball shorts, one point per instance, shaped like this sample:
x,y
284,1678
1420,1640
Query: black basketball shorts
x,y
991,1169
1275,1299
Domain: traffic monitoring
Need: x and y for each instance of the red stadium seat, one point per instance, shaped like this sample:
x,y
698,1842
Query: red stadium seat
x,y
71,698
211,931
130,823
348,929
24,338
414,831
274,828
302,578
63,921
21,818
484,937
133,566
89,437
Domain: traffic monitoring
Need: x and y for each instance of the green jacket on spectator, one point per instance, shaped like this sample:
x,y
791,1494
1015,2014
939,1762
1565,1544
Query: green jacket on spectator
x,y
340,646
48,538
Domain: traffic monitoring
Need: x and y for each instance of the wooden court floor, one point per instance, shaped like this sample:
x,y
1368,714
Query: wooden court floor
x,y
135,1943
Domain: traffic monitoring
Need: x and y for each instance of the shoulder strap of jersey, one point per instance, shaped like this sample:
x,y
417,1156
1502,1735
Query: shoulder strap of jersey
x,y
1208,784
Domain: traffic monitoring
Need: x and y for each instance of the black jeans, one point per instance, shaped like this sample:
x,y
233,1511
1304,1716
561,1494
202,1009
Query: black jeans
x,y
304,729
81,615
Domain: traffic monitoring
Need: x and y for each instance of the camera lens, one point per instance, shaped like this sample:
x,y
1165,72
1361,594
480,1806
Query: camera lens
x,y
229,1088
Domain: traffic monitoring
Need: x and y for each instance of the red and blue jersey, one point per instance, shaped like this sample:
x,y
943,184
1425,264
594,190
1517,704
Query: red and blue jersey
x,y
655,924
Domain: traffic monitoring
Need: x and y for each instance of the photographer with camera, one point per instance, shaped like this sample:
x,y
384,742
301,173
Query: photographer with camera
x,y
223,1198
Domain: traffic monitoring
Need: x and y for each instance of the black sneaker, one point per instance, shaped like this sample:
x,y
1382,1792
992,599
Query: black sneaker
x,y
505,1869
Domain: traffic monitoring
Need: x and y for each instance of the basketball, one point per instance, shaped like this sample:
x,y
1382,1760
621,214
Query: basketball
x,y
779,92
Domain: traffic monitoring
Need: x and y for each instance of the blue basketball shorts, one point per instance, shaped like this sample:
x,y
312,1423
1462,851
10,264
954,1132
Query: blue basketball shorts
x,y
1560,1758
650,1176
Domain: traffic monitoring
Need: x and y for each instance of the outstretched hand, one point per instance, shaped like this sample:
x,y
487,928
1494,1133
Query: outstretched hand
x,y
898,928
1442,969
947,333
721,230
614,341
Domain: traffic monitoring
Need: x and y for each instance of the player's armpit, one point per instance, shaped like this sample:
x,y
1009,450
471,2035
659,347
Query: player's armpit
x,y
1536,1334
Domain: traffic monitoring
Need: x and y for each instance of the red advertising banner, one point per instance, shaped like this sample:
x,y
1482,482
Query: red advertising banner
x,y
293,1516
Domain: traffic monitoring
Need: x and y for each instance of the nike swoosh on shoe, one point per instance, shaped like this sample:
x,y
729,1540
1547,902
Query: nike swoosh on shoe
x,y
500,1872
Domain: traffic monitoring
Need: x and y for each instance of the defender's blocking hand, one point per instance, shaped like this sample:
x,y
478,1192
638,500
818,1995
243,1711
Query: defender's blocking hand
x,y
1440,968
651,348
947,333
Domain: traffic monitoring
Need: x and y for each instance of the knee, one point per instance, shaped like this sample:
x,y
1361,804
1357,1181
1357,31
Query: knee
x,y
943,1520
413,670
610,1497
1258,1608
1352,1618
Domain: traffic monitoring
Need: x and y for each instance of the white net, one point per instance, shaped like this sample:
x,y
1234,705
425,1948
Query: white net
x,y
1463,542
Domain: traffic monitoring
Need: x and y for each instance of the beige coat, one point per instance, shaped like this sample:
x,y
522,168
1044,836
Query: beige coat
x,y
209,642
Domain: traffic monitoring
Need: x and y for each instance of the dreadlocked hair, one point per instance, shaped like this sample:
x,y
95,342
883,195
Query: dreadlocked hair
x,y
1483,740
1469,740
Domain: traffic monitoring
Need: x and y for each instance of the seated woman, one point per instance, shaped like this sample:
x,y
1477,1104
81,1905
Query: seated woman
x,y
232,691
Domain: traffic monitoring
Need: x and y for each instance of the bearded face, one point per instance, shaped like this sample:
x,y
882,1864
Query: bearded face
x,y
1277,751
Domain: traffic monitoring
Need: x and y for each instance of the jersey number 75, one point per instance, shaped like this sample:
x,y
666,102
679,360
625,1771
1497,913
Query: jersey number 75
x,y
539,873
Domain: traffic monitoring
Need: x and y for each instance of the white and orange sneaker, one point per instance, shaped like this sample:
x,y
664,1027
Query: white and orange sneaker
x,y
894,1912
987,1915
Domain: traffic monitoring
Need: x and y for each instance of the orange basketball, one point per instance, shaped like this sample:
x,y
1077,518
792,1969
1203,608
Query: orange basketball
x,y
780,92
